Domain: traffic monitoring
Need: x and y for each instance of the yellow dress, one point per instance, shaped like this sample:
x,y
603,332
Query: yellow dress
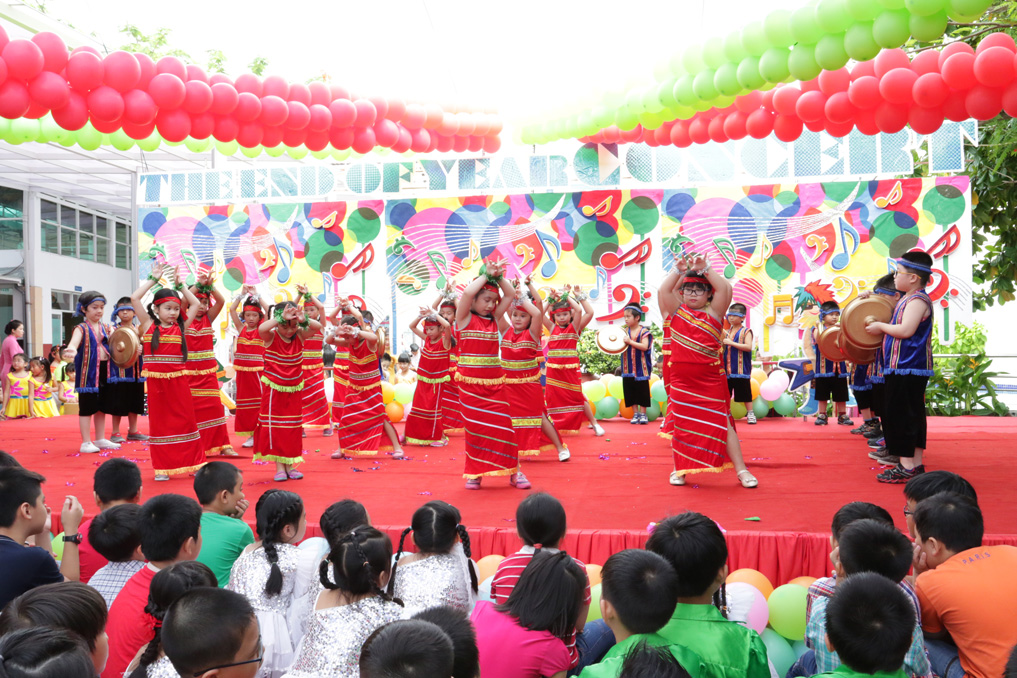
x,y
45,402
17,404
67,392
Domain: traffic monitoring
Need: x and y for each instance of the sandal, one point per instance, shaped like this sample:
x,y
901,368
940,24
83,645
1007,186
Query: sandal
x,y
473,484
676,479
749,480
229,452
399,454
338,454
281,476
294,475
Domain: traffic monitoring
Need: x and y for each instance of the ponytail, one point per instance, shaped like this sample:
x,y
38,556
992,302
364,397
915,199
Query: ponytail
x,y
151,653
357,562
720,599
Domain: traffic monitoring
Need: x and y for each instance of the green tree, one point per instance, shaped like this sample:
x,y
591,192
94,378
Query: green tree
x,y
258,65
155,45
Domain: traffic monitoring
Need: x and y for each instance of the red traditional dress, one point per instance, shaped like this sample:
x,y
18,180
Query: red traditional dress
x,y
424,422
363,418
564,392
519,351
452,416
491,448
202,368
315,404
173,433
668,428
277,437
248,363
340,380
699,396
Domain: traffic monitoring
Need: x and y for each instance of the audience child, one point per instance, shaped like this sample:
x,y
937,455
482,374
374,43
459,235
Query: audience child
x,y
352,606
68,606
170,528
407,649
440,572
125,384
868,625
403,373
44,653
23,513
117,481
967,590
65,392
695,546
639,592
929,485
645,661
7,460
18,389
738,342
167,586
831,376
219,486
208,630
457,626
524,638
115,536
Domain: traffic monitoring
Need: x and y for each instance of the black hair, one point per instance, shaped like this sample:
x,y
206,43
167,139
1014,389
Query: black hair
x,y
367,316
921,259
213,478
435,526
414,348
457,626
408,648
44,653
275,510
869,622
204,628
8,460
386,356
12,325
886,283
540,519
1011,665
22,355
166,587
341,518
357,562
69,368
737,308
932,483
642,587
166,523
116,479
857,510
44,364
114,533
953,519
67,606
18,486
404,357
349,320
156,325
873,546
830,307
86,298
549,594
122,301
694,546
645,661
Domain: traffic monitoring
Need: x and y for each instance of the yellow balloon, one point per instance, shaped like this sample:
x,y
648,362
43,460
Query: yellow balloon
x,y
388,393
487,566
755,388
759,375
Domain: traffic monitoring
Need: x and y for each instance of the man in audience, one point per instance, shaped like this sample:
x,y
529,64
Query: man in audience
x,y
219,486
116,481
115,536
213,632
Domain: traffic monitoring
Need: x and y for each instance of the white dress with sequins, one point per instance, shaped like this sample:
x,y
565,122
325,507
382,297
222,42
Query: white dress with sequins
x,y
436,580
161,668
331,647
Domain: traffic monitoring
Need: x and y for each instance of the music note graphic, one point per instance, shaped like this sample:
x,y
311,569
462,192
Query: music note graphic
x,y
363,259
549,267
154,252
526,252
327,222
726,249
405,279
947,243
267,258
842,260
191,262
439,263
677,243
600,210
781,301
764,250
283,276
892,198
628,295
841,283
474,255
328,283
601,282
817,241
639,254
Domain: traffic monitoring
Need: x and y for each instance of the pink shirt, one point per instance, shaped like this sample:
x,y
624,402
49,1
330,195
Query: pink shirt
x,y
507,650
10,348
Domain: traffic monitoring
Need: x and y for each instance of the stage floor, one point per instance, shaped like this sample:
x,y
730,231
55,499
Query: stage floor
x,y
612,489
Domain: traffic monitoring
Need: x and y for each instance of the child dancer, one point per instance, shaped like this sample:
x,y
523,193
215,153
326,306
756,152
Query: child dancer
x,y
42,400
566,404
491,448
423,424
126,385
738,359
340,365
248,361
636,364
90,363
706,441
277,436
202,368
831,381
519,350
18,389
173,431
452,417
315,408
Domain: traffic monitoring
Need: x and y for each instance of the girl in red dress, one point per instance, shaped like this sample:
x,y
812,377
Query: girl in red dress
x,y
316,412
173,431
424,422
452,417
704,438
566,404
202,368
340,370
667,423
277,437
248,361
520,347
491,448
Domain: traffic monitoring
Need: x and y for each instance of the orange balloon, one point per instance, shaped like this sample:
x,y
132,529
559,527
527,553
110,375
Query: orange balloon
x,y
654,379
593,408
625,411
803,581
394,411
753,578
593,572
487,566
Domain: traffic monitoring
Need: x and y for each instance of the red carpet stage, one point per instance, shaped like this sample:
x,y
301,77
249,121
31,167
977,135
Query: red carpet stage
x,y
612,488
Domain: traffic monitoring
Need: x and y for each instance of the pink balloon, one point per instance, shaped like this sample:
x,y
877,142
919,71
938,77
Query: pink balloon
x,y
633,135
482,125
3,38
492,144
839,108
344,113
275,85
225,129
930,90
831,82
999,39
321,118
202,125
433,117
139,107
747,604
386,133
84,71
198,97
320,94
72,117
248,107
138,132
294,137
299,115
864,92
168,91
959,71
404,142
699,130
14,99
414,118
785,98
272,136
747,103
49,90
889,59
301,93
54,51
896,85
121,71
248,82
734,125
474,144
810,106
173,125
994,67
24,59
220,78
3,70
863,69
196,73
957,47
445,143
173,66
224,98
341,138
86,48
147,70
449,124
273,110
380,105
364,139
367,113
460,144
891,118
105,104
466,124
396,112
925,62
339,92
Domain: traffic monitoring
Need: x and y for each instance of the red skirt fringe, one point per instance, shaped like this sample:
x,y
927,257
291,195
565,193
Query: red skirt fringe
x,y
278,436
315,409
700,403
491,448
526,407
173,434
565,399
668,430
210,414
424,422
363,422
451,413
248,402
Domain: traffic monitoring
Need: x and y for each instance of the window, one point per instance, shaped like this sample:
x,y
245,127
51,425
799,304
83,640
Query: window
x,y
101,240
63,320
86,246
123,245
12,233
50,227
84,235
68,242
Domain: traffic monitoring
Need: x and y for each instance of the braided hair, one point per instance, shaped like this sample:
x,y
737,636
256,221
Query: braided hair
x,y
435,526
341,518
357,563
168,585
274,511
163,294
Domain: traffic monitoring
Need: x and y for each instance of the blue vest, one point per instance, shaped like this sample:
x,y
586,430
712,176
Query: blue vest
x,y
737,362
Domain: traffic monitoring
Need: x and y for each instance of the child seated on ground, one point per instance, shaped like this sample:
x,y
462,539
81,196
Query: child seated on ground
x,y
868,625
114,535
457,626
696,548
219,486
929,484
408,648
208,632
639,591
116,481
45,652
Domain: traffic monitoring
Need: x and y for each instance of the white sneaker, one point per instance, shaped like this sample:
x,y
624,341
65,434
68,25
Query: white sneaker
x,y
564,455
598,430
88,448
104,444
750,417
249,442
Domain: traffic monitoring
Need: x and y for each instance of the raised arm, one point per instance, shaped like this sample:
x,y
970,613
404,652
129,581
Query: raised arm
x,y
415,323
535,315
466,301
583,299
192,304
216,300
238,323
446,334
667,298
508,294
136,301
722,289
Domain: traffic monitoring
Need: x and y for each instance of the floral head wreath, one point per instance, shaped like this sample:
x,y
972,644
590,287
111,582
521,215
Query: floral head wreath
x,y
558,300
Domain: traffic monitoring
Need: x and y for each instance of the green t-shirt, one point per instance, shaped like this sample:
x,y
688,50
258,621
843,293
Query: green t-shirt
x,y
223,539
843,671
611,665
727,649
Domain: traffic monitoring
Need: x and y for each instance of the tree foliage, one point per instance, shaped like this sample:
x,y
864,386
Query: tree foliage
x,y
158,45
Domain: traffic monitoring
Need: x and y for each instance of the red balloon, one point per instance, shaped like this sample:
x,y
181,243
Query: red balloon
x,y
785,98
889,59
414,118
168,91
198,97
339,92
475,144
864,92
891,118
248,107
420,140
716,129
959,71
759,124
341,138
275,85
173,66
173,125
433,116
896,85
3,38
994,66
839,129
396,113
72,117
50,90
105,104
925,120
699,130
983,103
612,135
272,136
734,125
344,113
460,144
202,125
250,135
363,139
930,90
810,106
84,71
954,107
24,59
320,94
225,129
316,141
386,133
3,70
865,68
999,39
248,82
121,71
445,143
632,135
435,140
925,62
831,82
85,48
367,113
14,99
295,137
54,51
809,85
138,132
482,123
405,141
298,115
147,70
273,110
104,126
865,121
449,124
224,98
661,135
747,103
301,93
380,105
817,125
320,119
787,127
839,108
956,47
195,73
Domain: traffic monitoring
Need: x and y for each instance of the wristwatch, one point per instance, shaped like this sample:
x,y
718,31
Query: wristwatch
x,y
72,538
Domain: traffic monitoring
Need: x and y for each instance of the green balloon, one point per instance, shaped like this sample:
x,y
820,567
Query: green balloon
x,y
703,85
341,155
323,154
684,93
89,138
777,27
404,393
748,73
723,100
626,120
227,147
738,410
634,101
924,7
804,27
778,651
754,38
653,411
830,52
651,100
67,142
892,4
252,152
928,28
665,94
734,50
49,130
25,129
864,10
726,80
802,62
760,407
121,141
197,145
832,16
594,612
682,112
594,390
652,120
275,151
713,53
892,29
602,116
859,43
585,122
5,128
787,610
773,64
692,59
968,8
784,405
607,407
658,391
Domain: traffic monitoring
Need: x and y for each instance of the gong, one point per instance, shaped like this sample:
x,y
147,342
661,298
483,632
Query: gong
x,y
859,313
859,356
828,342
611,340
123,346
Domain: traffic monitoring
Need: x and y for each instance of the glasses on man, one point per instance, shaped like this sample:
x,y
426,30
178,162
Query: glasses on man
x,y
257,660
